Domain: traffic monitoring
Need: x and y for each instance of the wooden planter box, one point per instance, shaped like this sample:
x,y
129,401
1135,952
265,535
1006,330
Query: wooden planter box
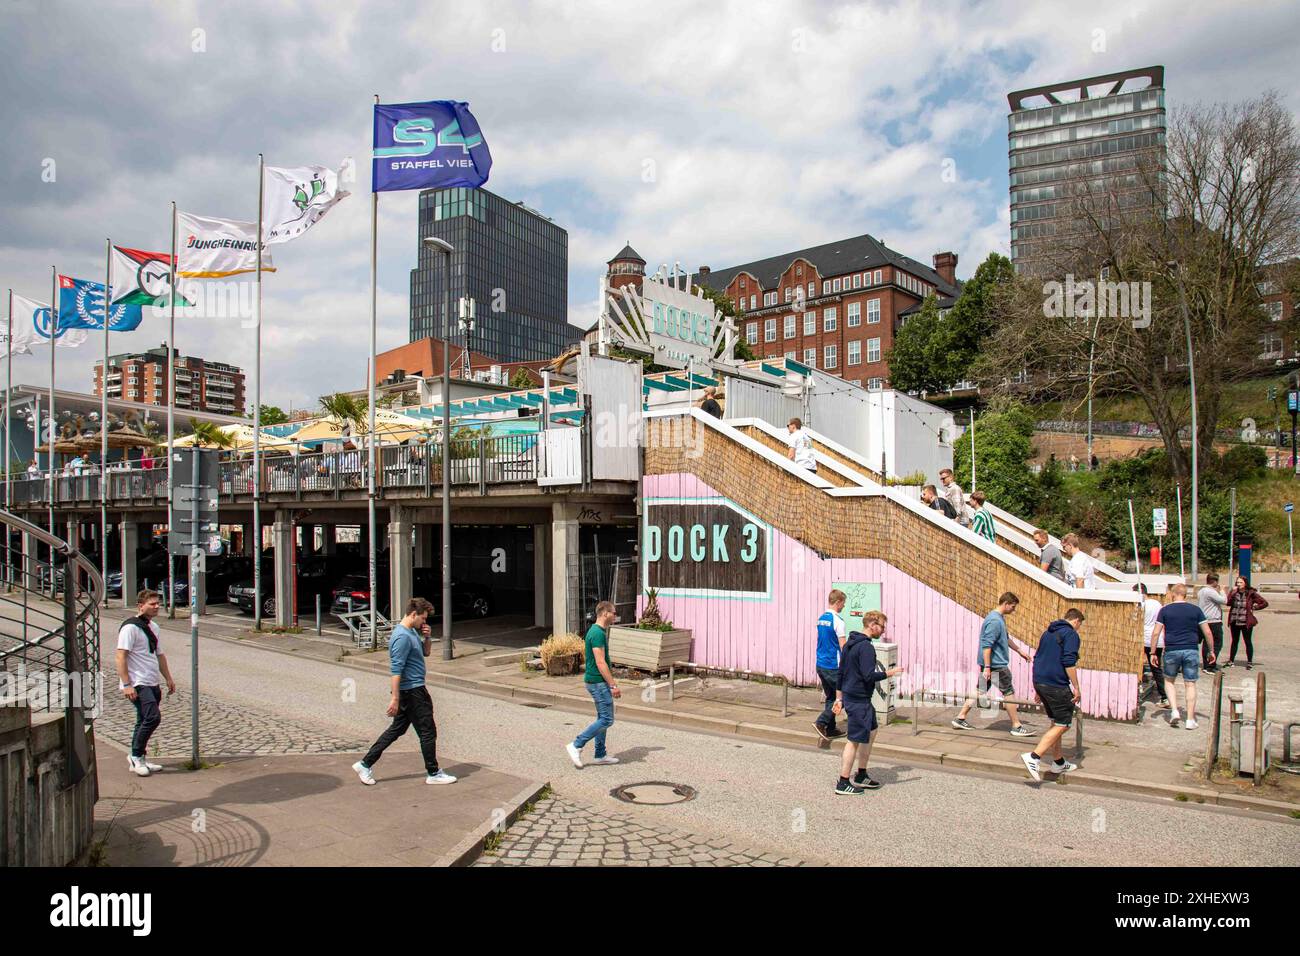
x,y
646,650
563,664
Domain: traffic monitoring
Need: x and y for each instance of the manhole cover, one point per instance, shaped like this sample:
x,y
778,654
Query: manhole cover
x,y
653,793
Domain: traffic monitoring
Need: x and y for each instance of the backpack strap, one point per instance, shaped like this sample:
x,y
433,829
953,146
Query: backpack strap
x,y
142,623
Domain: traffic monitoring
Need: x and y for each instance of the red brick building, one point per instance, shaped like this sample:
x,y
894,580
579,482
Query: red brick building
x,y
423,359
200,385
836,306
1279,345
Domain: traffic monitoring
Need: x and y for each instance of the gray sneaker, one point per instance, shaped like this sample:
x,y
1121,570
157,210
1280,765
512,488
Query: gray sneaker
x,y
960,724
1021,731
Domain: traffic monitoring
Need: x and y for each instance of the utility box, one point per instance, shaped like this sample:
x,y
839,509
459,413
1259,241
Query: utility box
x,y
887,658
1247,759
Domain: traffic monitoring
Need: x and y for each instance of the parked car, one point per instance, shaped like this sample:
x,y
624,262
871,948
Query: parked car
x,y
353,593
313,578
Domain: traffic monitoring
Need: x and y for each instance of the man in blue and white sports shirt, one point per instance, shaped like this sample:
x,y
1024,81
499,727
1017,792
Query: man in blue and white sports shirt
x,y
830,640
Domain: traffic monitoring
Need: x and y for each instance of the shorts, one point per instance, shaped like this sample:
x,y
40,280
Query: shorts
x,y
1188,659
862,719
1003,676
1058,703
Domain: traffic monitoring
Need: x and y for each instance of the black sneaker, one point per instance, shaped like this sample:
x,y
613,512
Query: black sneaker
x,y
835,733
821,730
845,789
863,782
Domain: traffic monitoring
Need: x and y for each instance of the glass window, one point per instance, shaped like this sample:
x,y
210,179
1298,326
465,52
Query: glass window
x,y
812,289
751,333
789,326
810,322
788,293
873,350
873,311
855,353
832,356
791,354
854,314
835,285
769,330
751,302
874,384
826,286
857,281
830,321
810,358
877,277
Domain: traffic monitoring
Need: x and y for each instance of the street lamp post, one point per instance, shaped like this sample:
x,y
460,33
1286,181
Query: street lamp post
x,y
1191,377
446,249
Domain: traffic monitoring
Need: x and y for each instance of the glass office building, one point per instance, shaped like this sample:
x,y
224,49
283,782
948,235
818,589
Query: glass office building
x,y
514,263
1067,138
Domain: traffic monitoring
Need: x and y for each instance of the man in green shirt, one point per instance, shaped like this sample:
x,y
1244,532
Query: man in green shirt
x,y
600,685
982,523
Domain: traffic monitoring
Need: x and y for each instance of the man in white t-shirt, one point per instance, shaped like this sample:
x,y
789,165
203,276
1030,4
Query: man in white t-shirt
x,y
801,445
1078,567
141,669
1150,608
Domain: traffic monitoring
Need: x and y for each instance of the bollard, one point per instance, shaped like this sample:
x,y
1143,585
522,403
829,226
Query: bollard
x,y
672,684
1235,710
1260,712
1216,717
916,711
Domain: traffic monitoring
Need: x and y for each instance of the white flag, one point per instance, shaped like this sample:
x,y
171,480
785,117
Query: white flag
x,y
295,198
212,248
32,327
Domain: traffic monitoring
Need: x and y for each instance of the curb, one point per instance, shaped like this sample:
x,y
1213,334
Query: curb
x,y
470,849
764,733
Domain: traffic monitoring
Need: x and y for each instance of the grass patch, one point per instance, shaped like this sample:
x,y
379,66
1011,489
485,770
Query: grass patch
x,y
1180,797
201,765
492,842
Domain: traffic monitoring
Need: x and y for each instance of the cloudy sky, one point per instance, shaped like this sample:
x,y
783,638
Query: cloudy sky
x,y
709,133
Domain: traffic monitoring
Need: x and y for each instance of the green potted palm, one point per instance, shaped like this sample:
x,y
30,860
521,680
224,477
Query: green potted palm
x,y
652,643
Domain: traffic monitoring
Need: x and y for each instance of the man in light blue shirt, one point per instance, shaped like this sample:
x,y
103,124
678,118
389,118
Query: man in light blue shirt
x,y
994,661
408,646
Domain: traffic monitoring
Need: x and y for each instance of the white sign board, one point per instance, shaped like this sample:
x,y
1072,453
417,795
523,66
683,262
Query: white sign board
x,y
1160,522
669,319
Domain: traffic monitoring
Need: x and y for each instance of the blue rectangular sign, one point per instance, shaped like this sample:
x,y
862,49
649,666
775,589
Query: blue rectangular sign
x,y
427,146
1293,401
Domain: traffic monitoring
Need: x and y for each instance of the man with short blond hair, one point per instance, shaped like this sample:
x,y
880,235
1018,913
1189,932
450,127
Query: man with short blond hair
x,y
1079,569
952,491
141,669
859,675
1049,555
801,445
830,641
1180,627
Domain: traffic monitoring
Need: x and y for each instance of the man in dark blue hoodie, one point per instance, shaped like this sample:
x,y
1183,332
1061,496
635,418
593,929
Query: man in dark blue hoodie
x,y
1056,680
859,675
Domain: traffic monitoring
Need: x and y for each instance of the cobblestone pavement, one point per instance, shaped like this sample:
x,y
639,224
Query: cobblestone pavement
x,y
560,831
224,729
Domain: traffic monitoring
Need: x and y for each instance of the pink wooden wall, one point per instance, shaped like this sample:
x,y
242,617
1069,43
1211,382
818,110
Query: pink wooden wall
x,y
937,638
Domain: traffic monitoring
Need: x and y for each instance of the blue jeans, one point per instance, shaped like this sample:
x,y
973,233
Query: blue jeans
x,y
148,716
1184,659
604,718
830,678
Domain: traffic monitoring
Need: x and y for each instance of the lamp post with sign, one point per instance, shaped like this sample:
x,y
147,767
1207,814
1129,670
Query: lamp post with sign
x,y
195,535
1290,537
1293,406
1160,528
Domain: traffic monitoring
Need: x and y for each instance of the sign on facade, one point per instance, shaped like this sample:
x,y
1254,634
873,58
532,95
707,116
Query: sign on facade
x,y
668,318
706,547
1160,522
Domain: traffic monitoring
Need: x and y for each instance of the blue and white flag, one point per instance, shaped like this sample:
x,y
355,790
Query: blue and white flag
x,y
81,306
32,327
427,146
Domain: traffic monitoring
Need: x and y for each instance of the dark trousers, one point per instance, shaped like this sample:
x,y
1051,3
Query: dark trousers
x,y
830,678
1244,633
1216,632
414,706
148,716
1157,675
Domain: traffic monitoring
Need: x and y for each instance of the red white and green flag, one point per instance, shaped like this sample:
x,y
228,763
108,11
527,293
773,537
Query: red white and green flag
x,y
143,278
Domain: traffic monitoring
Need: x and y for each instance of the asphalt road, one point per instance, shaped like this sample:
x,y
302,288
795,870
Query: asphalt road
x,y
757,794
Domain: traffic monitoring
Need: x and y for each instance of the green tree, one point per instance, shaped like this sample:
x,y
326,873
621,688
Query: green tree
x,y
521,379
209,435
271,415
741,352
961,335
912,366
348,409
1003,446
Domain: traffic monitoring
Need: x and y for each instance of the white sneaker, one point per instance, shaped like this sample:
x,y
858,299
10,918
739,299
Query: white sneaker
x,y
1190,724
1064,767
1174,716
154,767
574,754
1031,765
440,777
138,766
605,760
364,773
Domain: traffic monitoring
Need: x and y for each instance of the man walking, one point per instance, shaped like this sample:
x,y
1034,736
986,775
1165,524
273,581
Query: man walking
x,y
1212,603
1049,555
1056,681
931,498
994,661
801,445
1180,627
600,685
1150,609
982,521
952,491
408,646
859,674
830,641
1078,569
141,669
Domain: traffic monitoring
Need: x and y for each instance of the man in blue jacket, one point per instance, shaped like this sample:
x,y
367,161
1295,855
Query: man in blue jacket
x,y
859,675
1056,680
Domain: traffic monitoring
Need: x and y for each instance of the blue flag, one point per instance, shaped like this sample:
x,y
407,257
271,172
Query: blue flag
x,y
427,146
81,306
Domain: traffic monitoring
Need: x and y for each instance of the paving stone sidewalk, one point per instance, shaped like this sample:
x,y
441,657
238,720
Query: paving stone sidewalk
x,y
564,832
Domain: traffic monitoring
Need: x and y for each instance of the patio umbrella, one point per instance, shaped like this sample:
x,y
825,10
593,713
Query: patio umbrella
x,y
121,438
64,447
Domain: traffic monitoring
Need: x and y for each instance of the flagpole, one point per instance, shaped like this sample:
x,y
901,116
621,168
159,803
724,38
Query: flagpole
x,y
9,390
370,400
257,416
171,423
103,418
54,331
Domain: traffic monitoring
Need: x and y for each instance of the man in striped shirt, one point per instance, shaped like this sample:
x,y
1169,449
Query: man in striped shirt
x,y
982,523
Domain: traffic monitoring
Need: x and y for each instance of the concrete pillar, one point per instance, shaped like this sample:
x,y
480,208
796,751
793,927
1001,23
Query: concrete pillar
x,y
130,574
328,540
400,555
566,616
31,570
424,545
282,535
541,575
308,538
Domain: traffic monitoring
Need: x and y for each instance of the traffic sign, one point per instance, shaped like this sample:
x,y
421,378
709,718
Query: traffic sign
x,y
1293,401
1160,521
1288,507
